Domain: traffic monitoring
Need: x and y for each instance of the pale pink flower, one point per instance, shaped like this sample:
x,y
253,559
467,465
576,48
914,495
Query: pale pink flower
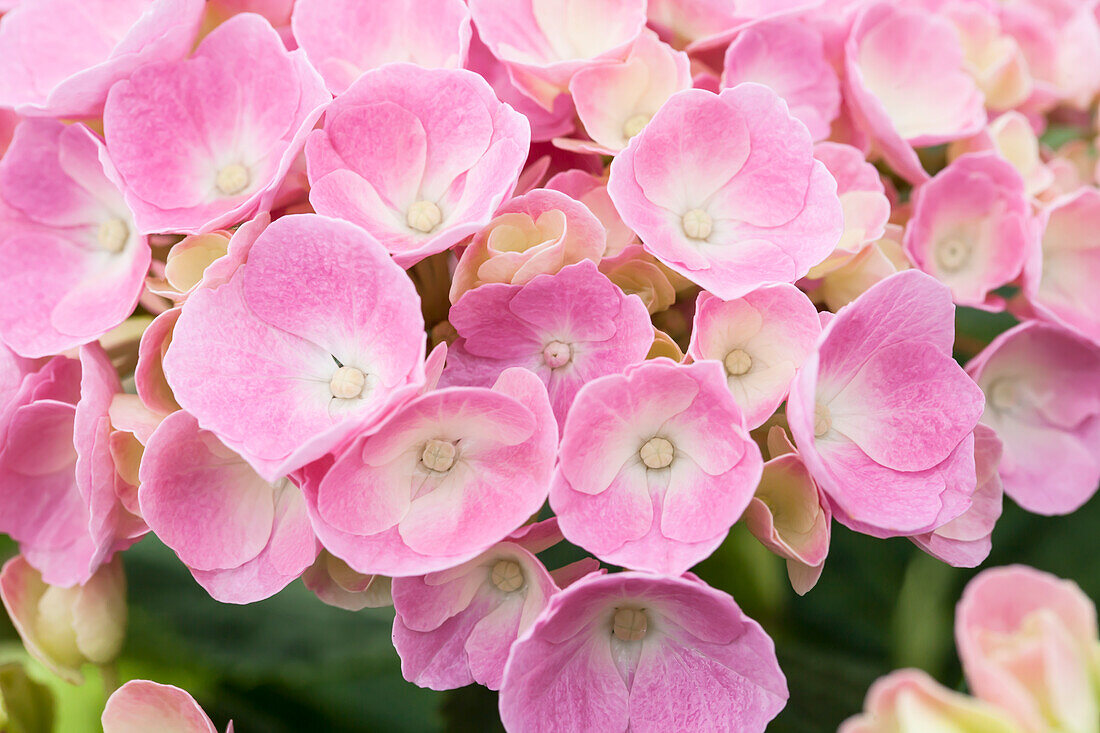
x,y
65,628
993,56
655,466
907,84
140,706
788,56
724,189
545,42
883,416
58,58
790,515
535,234
204,143
909,700
1028,644
312,340
1060,41
420,158
634,651
344,38
568,328
592,192
856,274
149,380
449,475
761,339
58,484
637,272
972,228
243,538
72,263
1012,137
334,582
1042,386
703,25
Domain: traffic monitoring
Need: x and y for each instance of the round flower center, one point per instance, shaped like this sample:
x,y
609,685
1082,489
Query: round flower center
x,y
556,354
629,624
823,421
697,224
232,179
634,125
423,216
438,455
738,362
1003,395
952,254
112,235
657,453
347,383
507,576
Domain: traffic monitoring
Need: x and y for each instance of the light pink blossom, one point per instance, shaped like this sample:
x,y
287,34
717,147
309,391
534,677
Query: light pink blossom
x,y
655,466
634,651
140,706
420,158
592,192
334,582
1012,137
724,189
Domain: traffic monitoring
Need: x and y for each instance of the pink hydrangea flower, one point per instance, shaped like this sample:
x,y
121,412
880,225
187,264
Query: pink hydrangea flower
x,y
204,143
140,706
615,101
993,56
1028,643
1042,386
449,475
309,342
1060,281
454,627
420,158
58,58
72,264
761,340
907,84
58,496
703,25
883,416
592,192
724,189
967,540
568,328
344,38
1060,42
243,538
1012,137
545,42
972,228
537,233
655,466
862,198
788,56
633,651
335,583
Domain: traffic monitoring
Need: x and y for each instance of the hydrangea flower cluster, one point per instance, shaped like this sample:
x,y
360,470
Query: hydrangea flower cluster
x,y
395,296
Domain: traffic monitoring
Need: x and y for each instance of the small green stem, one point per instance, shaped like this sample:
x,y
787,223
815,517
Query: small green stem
x,y
108,676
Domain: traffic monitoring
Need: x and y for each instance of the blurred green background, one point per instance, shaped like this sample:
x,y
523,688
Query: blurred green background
x,y
292,663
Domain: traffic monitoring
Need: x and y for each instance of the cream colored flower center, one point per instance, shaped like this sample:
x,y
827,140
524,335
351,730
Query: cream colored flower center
x,y
507,576
630,624
823,420
438,455
952,254
347,383
634,125
423,216
233,179
556,354
738,362
657,453
1003,394
697,224
112,235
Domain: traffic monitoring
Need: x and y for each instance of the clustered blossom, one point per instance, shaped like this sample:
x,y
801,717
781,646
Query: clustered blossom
x,y
394,297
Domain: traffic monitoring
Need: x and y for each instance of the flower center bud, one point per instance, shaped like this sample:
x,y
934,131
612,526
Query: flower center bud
x,y
556,354
629,624
232,179
112,235
507,576
347,383
952,254
738,362
423,216
657,453
438,455
823,420
634,125
697,224
1002,394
